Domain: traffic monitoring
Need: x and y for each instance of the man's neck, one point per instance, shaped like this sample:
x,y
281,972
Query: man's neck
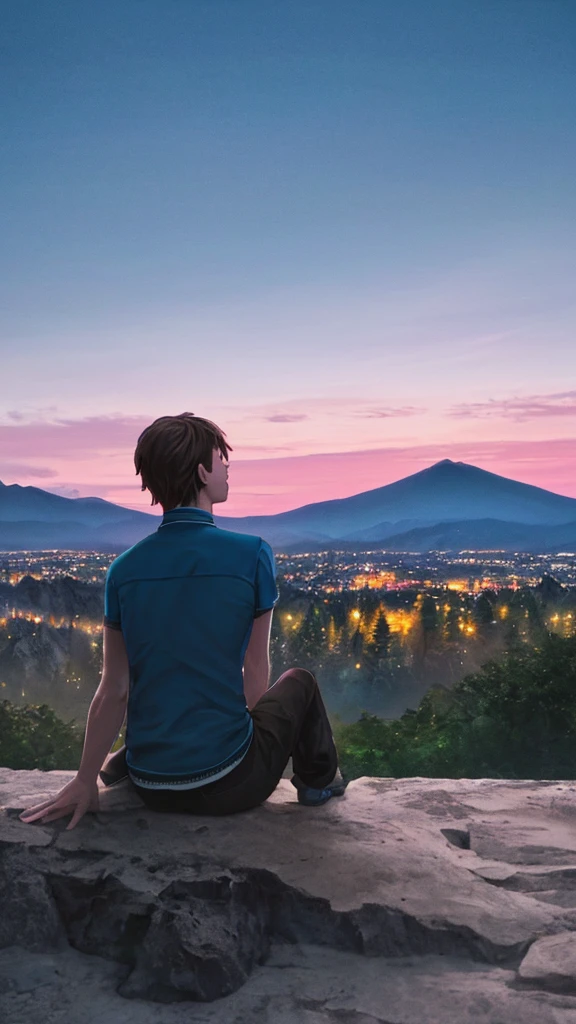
x,y
204,503
201,502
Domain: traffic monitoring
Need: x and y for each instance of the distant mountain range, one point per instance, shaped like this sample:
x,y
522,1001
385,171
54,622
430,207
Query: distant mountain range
x,y
450,506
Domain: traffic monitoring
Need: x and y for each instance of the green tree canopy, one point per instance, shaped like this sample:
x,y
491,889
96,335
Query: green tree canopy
x,y
512,719
34,737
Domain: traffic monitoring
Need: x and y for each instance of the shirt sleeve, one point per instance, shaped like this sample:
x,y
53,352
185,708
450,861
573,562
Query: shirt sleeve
x,y
111,604
266,594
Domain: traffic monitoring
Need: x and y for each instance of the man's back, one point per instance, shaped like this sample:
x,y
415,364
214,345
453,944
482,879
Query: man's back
x,y
185,599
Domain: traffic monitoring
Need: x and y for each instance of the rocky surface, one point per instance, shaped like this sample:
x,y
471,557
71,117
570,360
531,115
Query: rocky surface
x,y
402,902
64,598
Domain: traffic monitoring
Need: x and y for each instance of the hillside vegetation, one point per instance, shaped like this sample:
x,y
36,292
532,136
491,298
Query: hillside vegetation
x,y
515,718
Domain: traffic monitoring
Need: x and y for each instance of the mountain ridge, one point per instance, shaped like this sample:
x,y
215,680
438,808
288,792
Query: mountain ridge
x,y
439,499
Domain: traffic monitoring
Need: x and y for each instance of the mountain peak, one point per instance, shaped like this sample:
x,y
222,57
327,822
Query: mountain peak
x,y
451,464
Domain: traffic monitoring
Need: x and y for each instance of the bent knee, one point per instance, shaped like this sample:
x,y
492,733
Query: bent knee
x,y
303,674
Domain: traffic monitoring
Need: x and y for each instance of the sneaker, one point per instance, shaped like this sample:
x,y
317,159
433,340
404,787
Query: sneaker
x,y
311,797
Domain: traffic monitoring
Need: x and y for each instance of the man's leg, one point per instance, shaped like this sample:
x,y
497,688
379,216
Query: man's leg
x,y
292,713
289,720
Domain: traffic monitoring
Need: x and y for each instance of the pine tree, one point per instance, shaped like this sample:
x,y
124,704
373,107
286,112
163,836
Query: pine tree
x,y
357,645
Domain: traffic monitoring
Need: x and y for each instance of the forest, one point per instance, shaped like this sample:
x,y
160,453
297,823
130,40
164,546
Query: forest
x,y
444,684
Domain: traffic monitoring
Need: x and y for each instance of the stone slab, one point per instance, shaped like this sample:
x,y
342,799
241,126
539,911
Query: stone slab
x,y
550,963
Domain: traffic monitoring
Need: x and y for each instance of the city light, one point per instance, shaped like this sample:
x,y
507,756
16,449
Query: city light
x,y
412,606
401,621
374,581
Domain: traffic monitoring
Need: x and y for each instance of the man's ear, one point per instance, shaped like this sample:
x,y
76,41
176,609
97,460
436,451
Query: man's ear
x,y
202,473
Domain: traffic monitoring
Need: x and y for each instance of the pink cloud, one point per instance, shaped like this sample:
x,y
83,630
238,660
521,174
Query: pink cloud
x,y
24,469
38,412
286,417
391,412
316,407
562,403
267,448
72,437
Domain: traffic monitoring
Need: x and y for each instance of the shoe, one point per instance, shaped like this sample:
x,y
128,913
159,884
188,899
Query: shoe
x,y
311,797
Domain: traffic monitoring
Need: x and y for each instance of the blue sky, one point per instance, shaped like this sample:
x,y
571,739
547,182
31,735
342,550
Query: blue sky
x,y
299,219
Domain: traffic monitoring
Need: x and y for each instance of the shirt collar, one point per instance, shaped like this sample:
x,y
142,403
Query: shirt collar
x,y
187,514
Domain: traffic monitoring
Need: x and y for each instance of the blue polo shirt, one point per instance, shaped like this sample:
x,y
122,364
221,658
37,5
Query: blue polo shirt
x,y
185,598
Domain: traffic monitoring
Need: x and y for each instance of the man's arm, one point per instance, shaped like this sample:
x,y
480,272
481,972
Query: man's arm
x,y
108,707
105,719
257,659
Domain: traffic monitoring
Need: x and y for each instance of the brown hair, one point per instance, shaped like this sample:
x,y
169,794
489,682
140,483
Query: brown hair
x,y
168,454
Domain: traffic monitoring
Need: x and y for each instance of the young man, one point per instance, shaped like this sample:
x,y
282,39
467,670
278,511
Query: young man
x,y
187,618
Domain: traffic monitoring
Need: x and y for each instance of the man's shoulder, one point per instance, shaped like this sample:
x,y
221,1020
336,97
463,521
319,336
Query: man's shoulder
x,y
126,559
233,540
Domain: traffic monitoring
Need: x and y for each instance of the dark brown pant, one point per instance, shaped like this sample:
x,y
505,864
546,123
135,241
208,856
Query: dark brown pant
x,y
290,720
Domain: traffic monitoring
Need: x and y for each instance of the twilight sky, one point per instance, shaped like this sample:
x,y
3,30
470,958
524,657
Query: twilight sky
x,y
342,230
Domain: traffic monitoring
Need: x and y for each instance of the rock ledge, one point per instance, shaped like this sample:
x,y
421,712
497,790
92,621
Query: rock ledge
x,y
417,897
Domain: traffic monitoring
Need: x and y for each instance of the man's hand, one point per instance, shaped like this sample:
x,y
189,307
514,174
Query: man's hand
x,y
76,798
